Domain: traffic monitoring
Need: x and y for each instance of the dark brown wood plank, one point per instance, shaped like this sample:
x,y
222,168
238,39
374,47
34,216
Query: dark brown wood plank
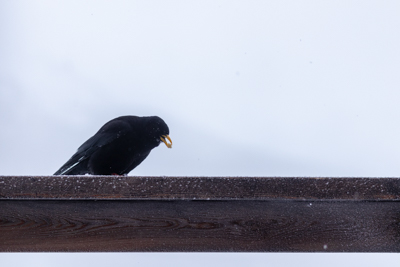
x,y
101,213
200,188
119,225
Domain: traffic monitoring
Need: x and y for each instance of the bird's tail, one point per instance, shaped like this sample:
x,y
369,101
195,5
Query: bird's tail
x,y
73,167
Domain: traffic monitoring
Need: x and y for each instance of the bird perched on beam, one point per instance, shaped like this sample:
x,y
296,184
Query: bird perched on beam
x,y
118,147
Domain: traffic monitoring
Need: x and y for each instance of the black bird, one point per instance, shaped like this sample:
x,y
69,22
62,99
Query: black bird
x,y
118,147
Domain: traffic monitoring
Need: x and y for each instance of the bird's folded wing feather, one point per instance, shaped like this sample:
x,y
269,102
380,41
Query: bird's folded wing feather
x,y
104,136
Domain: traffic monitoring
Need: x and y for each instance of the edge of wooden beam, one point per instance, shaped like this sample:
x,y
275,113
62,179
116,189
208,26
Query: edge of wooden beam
x,y
198,188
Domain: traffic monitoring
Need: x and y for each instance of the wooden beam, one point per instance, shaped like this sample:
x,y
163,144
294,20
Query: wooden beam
x,y
113,213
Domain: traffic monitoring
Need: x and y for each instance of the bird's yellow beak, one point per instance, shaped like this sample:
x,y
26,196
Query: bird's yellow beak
x,y
165,141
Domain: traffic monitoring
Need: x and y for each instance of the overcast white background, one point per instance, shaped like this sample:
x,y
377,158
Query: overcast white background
x,y
248,88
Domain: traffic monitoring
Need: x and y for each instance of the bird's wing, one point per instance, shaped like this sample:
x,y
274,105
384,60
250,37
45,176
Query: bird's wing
x,y
77,164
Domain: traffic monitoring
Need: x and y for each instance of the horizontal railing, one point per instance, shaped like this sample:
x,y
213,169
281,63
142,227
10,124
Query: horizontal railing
x,y
259,214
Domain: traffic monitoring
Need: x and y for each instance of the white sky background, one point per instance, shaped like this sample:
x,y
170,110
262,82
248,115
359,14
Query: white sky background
x,y
248,88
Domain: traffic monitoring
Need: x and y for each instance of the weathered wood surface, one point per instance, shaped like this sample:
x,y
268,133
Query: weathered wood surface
x,y
262,214
200,188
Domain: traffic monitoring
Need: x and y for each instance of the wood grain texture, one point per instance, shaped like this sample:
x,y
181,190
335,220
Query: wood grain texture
x,y
108,213
289,226
200,188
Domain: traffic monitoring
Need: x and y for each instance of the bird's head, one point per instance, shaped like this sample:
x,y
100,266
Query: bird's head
x,y
157,131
